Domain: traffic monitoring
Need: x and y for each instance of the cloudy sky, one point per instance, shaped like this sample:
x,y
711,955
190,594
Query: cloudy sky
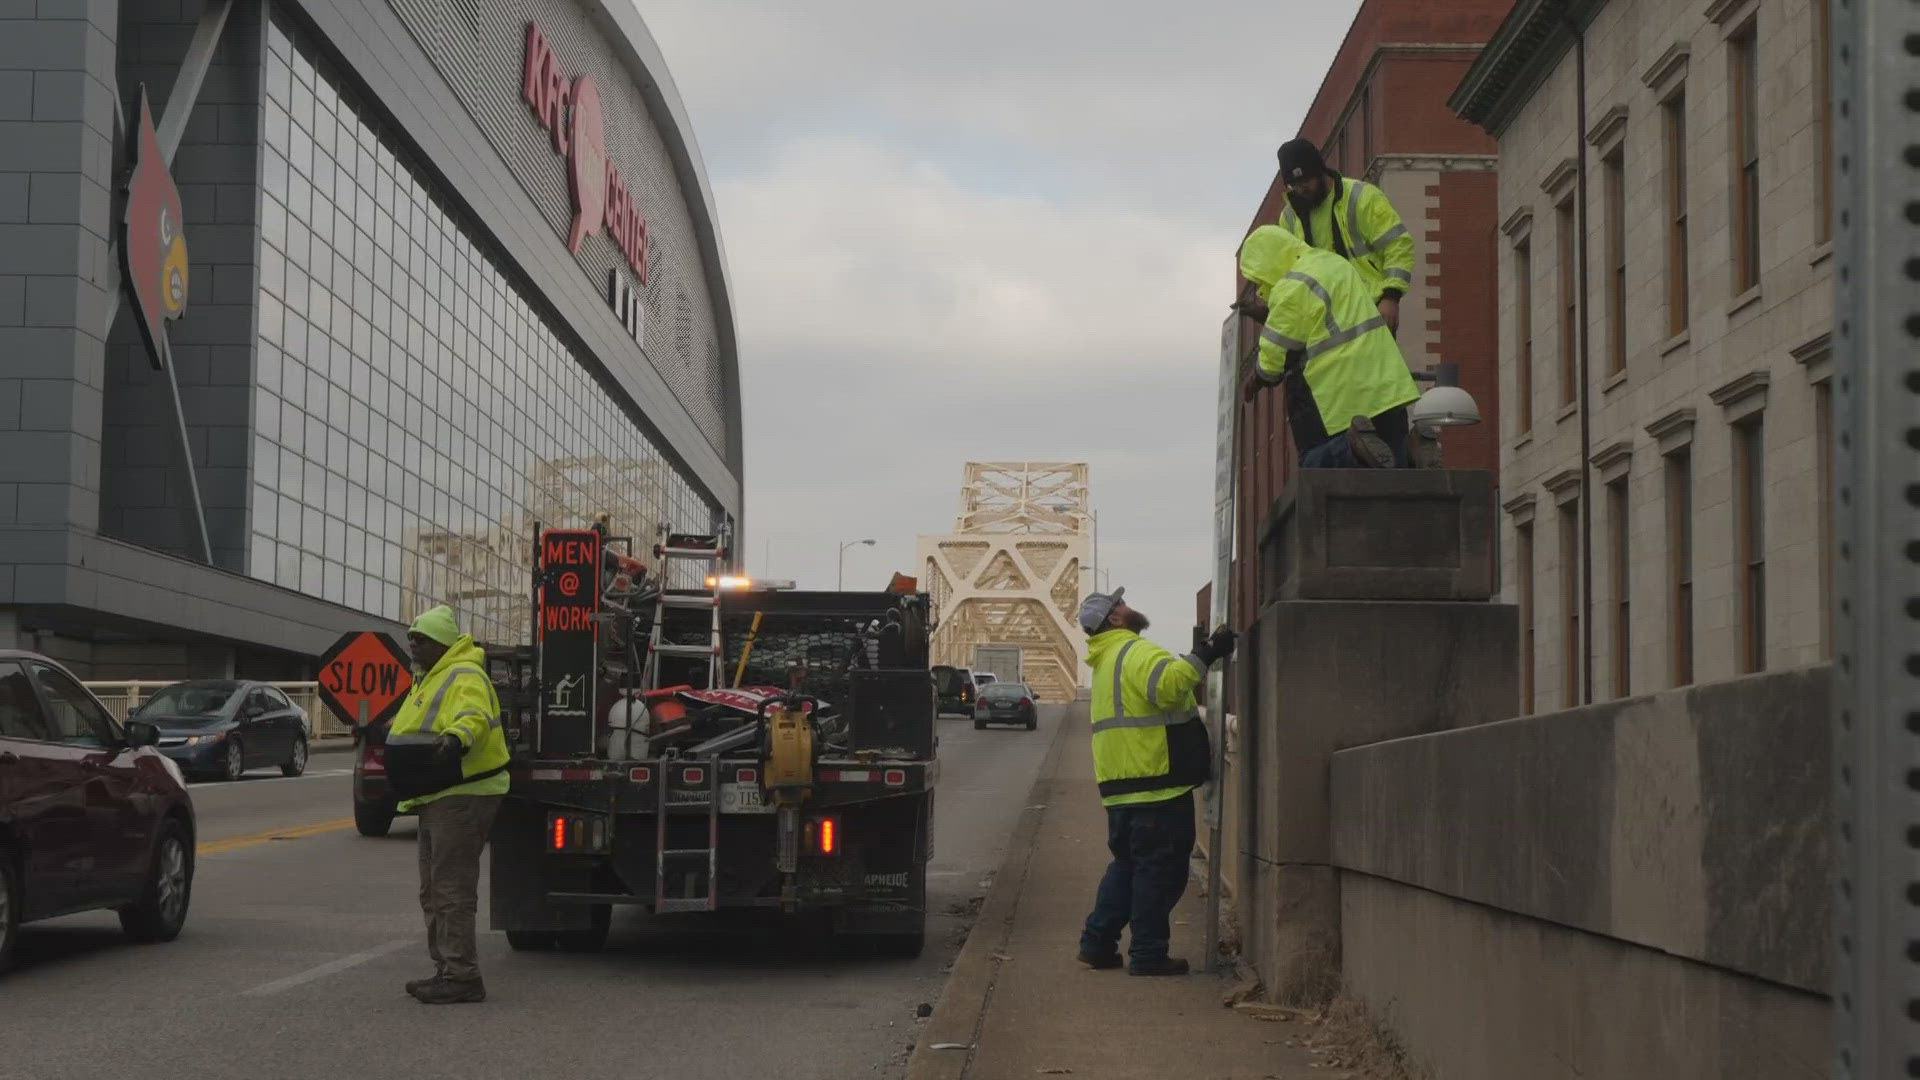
x,y
998,230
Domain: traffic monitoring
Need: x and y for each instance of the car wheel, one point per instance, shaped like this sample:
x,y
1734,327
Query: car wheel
x,y
296,764
235,761
1032,722
979,724
162,908
372,819
9,906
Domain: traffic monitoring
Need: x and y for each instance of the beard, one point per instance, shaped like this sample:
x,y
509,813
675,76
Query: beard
x,y
1135,621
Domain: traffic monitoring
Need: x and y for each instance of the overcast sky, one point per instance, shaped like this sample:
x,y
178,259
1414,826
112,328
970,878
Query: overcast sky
x,y
998,230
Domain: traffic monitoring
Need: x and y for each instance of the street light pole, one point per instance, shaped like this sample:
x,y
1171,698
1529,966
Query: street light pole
x,y
842,585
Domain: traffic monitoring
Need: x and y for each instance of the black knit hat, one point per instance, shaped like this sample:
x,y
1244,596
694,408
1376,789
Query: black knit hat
x,y
1300,160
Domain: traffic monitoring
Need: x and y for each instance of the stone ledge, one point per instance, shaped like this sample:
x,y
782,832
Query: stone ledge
x,y
1694,821
1390,534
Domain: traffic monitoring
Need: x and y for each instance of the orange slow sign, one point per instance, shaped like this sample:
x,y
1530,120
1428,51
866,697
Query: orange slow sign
x,y
365,677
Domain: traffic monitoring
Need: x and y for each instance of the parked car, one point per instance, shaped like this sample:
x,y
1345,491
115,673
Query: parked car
x,y
223,727
1006,703
91,815
374,804
953,690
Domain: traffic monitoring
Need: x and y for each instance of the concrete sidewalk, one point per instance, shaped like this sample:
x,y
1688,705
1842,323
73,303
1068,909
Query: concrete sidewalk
x,y
1018,1003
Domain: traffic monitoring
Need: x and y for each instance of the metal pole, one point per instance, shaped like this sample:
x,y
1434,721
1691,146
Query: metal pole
x,y
1875,53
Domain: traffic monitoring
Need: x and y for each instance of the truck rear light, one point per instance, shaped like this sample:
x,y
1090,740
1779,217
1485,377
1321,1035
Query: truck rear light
x,y
375,760
694,776
894,777
640,775
823,836
577,833
747,776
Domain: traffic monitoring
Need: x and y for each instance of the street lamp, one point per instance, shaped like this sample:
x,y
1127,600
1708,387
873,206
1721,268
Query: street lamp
x,y
843,560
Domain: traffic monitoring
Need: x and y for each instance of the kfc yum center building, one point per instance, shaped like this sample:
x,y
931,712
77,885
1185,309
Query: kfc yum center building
x,y
312,309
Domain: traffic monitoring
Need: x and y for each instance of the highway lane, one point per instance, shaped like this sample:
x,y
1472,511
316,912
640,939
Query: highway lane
x,y
302,931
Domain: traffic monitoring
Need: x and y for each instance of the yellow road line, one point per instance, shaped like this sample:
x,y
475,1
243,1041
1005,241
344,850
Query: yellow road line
x,y
234,843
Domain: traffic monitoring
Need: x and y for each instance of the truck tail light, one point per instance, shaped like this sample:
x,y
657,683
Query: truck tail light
x,y
375,760
894,778
577,833
823,836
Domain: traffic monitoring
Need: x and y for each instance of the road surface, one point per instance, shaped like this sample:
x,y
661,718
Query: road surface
x,y
302,932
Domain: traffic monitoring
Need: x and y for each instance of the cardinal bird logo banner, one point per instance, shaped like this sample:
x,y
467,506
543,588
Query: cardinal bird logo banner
x,y
155,245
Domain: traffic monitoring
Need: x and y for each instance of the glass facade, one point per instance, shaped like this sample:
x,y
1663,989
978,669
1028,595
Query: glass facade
x,y
414,413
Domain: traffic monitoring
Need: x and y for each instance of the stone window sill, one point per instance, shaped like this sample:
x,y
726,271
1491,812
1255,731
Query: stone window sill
x,y
1676,343
1744,301
1614,382
1566,412
1821,254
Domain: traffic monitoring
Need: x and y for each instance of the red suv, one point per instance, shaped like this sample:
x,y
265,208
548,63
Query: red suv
x,y
91,815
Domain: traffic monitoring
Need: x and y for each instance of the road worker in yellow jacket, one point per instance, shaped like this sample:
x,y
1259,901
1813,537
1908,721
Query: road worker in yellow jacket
x,y
1348,387
447,758
1149,753
1351,218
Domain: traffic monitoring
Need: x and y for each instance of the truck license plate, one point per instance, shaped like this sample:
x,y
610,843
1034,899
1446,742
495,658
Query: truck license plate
x,y
742,799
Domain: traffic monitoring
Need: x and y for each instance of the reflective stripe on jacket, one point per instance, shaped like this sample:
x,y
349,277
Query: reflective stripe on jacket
x,y
1358,222
456,698
1321,317
1149,743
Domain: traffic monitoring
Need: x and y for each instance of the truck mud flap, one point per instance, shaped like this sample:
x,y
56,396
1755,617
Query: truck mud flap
x,y
520,875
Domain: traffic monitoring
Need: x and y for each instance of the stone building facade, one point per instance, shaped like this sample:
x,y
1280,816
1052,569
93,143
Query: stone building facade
x,y
1672,505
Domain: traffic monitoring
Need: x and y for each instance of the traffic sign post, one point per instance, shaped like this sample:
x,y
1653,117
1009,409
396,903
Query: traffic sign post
x,y
364,677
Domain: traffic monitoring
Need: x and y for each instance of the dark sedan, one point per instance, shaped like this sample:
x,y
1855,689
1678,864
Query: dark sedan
x,y
1005,703
223,727
91,817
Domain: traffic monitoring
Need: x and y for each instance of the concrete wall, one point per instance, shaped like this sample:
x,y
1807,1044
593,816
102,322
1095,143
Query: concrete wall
x,y
1634,889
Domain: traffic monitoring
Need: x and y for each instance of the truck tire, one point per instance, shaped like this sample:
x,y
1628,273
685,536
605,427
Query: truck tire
x,y
10,903
372,819
900,946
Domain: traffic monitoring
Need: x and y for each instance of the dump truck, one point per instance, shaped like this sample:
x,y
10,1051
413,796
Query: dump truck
x,y
689,745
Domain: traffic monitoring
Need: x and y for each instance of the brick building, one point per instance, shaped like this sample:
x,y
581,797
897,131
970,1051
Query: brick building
x,y
1381,115
1668,516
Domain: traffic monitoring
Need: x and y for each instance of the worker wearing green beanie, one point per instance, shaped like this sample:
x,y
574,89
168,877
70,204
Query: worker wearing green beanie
x,y
447,757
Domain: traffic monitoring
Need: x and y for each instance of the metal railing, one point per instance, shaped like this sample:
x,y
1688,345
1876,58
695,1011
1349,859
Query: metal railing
x,y
123,696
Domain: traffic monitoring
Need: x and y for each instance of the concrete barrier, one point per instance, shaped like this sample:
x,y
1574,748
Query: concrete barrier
x,y
1632,889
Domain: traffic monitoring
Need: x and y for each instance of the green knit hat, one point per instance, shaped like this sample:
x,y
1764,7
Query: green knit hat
x,y
438,625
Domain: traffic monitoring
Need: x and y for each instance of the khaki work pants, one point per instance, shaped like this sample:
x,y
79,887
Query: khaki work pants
x,y
453,831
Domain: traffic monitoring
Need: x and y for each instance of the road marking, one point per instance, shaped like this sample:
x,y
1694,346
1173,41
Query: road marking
x,y
199,785
331,967
234,843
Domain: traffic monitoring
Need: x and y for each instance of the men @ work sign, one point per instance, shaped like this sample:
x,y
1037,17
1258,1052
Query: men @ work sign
x,y
569,640
364,677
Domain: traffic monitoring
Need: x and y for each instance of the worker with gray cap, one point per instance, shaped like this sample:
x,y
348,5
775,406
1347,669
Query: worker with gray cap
x,y
1150,751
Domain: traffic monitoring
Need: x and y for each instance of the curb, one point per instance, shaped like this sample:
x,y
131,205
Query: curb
x,y
962,1008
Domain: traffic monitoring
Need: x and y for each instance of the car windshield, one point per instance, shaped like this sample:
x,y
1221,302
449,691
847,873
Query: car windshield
x,y
190,701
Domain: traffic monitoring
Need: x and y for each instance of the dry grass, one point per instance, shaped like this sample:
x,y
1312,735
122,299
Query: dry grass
x,y
1349,1038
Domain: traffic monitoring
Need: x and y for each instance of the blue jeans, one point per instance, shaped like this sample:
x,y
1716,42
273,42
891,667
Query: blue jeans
x,y
1337,451
1151,844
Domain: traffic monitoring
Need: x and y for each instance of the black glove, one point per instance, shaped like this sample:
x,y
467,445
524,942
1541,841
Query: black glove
x,y
449,747
1218,647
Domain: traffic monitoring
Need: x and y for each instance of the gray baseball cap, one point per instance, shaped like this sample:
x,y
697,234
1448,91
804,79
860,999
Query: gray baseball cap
x,y
1095,609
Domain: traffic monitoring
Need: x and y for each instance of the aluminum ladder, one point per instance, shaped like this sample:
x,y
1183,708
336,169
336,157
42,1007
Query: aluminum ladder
x,y
678,547
664,856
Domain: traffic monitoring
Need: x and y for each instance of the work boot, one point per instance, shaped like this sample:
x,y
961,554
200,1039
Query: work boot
x,y
1423,448
1369,449
451,992
1101,961
1166,965
414,986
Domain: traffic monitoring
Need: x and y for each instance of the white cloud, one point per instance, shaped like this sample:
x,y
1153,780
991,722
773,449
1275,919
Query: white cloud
x,y
1001,230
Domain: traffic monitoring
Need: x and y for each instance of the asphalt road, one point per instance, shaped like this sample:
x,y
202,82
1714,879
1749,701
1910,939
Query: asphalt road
x,y
302,932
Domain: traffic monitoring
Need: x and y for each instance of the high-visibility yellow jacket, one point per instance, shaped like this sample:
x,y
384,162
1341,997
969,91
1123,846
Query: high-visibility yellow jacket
x,y
1357,222
457,698
1149,743
1320,315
